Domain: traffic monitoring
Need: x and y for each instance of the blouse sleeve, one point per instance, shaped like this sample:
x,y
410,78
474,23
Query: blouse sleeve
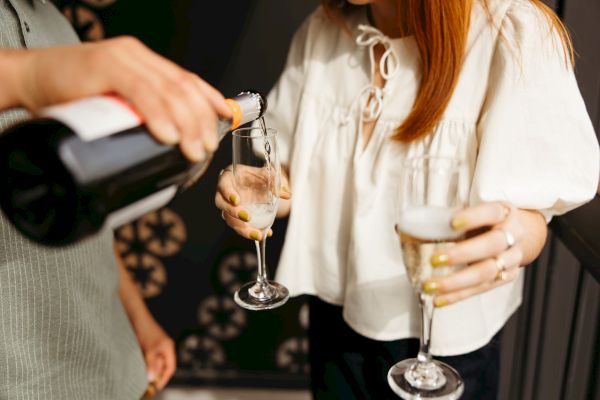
x,y
283,100
537,146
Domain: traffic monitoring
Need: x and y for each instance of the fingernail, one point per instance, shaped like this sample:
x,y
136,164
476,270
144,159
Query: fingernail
x,y
255,235
151,376
167,132
458,223
197,151
244,216
431,287
440,302
286,189
233,199
211,143
270,233
439,260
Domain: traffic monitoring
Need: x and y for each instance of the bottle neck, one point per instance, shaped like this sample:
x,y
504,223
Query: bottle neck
x,y
224,126
236,112
245,107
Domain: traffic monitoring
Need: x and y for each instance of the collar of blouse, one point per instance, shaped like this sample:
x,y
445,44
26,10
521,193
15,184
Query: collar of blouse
x,y
370,98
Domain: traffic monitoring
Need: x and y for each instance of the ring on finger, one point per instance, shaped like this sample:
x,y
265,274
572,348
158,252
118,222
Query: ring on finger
x,y
224,170
508,236
502,273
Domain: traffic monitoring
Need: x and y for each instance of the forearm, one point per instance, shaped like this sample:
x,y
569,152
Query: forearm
x,y
11,65
130,296
157,346
535,232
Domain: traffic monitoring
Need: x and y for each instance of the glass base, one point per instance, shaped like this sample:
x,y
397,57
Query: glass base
x,y
257,296
437,381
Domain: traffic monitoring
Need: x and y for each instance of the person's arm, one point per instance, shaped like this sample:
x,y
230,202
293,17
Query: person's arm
x,y
157,346
537,150
176,105
11,62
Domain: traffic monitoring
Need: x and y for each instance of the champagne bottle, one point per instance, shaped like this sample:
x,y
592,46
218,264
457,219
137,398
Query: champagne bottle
x,y
82,165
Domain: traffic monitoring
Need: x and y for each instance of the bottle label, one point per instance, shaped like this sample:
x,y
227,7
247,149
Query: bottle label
x,y
95,117
135,210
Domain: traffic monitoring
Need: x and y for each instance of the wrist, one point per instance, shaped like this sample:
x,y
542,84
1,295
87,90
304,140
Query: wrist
x,y
145,328
534,224
12,70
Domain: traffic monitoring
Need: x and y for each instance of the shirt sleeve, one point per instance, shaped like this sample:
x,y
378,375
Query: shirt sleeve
x,y
537,146
284,98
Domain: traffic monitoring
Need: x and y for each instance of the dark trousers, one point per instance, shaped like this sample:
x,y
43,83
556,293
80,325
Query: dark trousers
x,y
346,365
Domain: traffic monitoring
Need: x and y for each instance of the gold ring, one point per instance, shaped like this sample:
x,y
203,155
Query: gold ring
x,y
502,274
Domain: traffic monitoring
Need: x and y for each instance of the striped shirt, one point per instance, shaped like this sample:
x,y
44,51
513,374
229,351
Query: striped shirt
x,y
63,331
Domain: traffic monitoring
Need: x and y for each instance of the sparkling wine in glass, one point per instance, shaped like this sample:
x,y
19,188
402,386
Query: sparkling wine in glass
x,y
257,179
432,190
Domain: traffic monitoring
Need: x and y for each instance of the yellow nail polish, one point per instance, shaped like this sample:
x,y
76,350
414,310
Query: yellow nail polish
x,y
431,287
458,223
244,216
255,235
439,260
233,199
440,302
286,189
270,233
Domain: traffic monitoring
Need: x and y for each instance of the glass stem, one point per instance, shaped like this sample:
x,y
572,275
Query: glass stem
x,y
261,247
426,305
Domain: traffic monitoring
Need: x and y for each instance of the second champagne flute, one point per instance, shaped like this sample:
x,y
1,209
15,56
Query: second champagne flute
x,y
432,190
257,179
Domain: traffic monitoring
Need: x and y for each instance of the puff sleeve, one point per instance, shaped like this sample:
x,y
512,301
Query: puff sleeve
x,y
537,146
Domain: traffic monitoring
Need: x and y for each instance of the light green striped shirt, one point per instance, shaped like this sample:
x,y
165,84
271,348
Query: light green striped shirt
x,y
63,331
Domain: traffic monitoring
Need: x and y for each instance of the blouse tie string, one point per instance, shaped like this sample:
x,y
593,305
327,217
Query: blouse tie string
x,y
370,98
371,37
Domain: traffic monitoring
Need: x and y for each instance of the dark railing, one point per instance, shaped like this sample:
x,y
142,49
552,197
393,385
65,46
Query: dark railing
x,y
551,346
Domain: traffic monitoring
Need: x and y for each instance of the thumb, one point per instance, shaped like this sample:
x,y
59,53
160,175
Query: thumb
x,y
285,193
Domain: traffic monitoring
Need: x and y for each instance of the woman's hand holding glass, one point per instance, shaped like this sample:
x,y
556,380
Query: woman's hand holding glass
x,y
227,199
497,245
248,195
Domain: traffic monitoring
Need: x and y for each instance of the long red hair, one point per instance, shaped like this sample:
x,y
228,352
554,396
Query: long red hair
x,y
440,28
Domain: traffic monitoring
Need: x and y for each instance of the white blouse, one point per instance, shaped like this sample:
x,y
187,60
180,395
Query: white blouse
x,y
516,116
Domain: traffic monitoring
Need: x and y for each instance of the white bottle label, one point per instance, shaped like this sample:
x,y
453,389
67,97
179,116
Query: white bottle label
x,y
141,207
95,117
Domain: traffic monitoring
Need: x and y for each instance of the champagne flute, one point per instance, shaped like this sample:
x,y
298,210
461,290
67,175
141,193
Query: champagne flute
x,y
257,179
432,190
